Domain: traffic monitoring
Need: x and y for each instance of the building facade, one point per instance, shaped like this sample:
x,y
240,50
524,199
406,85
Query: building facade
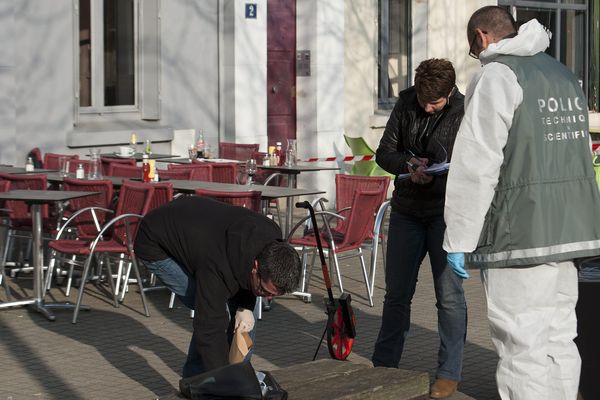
x,y
86,73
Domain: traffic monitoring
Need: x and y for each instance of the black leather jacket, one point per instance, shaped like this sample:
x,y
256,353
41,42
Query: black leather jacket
x,y
411,129
217,244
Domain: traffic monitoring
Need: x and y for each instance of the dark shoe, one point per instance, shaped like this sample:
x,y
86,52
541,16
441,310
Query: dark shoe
x,y
443,388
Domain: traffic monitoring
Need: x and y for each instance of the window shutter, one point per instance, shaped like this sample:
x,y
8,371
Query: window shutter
x,y
149,82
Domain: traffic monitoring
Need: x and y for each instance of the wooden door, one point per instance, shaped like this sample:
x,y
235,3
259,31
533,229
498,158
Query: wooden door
x,y
281,71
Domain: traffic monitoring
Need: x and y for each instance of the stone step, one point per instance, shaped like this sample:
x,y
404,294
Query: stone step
x,y
331,379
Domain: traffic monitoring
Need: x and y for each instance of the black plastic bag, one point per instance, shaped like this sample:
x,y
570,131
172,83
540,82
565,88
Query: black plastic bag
x,y
273,390
234,381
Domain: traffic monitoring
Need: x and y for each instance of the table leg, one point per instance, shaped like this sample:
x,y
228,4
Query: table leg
x,y
289,215
38,262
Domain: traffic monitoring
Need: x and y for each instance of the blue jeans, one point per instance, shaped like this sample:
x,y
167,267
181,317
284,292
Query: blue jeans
x,y
410,239
178,280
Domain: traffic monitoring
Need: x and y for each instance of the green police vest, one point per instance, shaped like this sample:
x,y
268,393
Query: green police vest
x,y
546,207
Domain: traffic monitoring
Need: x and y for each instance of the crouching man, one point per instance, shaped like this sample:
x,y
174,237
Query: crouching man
x,y
216,258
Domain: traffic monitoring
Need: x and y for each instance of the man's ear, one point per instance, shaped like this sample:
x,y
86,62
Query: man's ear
x,y
255,267
483,38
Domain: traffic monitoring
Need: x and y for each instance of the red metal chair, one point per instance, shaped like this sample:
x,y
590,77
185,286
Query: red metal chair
x,y
36,156
345,188
51,160
88,224
4,187
250,199
125,170
346,185
355,229
116,237
201,171
87,216
18,214
176,174
163,193
19,211
237,151
224,172
108,161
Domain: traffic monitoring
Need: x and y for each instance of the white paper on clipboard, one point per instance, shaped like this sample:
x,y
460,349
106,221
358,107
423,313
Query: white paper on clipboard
x,y
434,169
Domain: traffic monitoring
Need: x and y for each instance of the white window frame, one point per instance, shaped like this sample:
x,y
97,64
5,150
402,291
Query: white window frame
x,y
147,48
558,6
385,100
97,61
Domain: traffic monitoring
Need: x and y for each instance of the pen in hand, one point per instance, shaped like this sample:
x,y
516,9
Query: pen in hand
x,y
413,166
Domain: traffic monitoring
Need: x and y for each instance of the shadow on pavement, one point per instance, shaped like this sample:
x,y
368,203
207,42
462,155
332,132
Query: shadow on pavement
x,y
118,337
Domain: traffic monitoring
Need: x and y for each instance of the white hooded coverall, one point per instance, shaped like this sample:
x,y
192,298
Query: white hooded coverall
x,y
531,310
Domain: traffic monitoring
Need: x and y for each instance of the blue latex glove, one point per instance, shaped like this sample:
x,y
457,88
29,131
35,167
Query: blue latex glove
x,y
456,261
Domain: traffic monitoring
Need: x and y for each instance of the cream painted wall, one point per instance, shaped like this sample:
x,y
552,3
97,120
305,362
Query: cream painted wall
x,y
244,78
438,30
320,106
447,33
360,63
360,69
251,75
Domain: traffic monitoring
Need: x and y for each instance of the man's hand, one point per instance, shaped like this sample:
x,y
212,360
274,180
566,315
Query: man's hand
x,y
244,320
456,261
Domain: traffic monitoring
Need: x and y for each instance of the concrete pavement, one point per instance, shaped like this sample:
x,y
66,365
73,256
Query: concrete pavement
x,y
118,353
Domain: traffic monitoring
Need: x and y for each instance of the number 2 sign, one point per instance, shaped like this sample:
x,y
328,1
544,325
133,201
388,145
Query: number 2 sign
x,y
251,10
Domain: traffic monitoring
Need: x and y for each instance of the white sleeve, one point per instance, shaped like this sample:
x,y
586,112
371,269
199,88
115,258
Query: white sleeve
x,y
490,102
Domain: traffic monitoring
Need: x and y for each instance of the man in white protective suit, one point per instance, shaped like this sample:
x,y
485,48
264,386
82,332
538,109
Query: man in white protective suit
x,y
522,202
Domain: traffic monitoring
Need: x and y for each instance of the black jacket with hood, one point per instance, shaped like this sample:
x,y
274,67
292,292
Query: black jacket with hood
x,y
217,244
411,130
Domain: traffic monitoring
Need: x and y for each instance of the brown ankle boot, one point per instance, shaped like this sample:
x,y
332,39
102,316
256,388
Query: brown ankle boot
x,y
443,388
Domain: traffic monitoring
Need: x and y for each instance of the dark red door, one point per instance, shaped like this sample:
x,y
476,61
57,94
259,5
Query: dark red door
x,y
281,71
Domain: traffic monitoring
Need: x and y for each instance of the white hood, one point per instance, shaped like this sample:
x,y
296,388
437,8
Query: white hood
x,y
490,103
532,38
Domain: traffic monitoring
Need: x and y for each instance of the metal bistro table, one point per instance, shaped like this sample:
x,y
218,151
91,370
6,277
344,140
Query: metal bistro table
x,y
292,172
267,192
184,186
187,161
21,170
138,156
35,198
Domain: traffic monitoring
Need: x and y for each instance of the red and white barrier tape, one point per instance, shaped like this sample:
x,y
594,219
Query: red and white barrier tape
x,y
346,158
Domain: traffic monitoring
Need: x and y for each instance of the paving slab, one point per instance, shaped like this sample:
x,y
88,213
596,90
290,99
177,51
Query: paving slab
x,y
337,380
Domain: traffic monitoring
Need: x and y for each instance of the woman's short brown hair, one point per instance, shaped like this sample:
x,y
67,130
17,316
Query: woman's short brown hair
x,y
434,79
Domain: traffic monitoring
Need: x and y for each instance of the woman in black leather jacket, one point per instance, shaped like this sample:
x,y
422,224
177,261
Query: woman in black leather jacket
x,y
421,132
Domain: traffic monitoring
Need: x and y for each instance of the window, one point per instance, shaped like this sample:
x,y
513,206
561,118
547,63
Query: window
x,y
394,50
571,42
107,54
118,61
594,89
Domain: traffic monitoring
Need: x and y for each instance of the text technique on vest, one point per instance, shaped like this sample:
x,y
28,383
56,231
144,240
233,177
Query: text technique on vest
x,y
558,116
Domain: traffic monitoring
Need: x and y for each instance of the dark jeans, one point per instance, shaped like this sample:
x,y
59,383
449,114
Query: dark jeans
x,y
410,239
177,279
